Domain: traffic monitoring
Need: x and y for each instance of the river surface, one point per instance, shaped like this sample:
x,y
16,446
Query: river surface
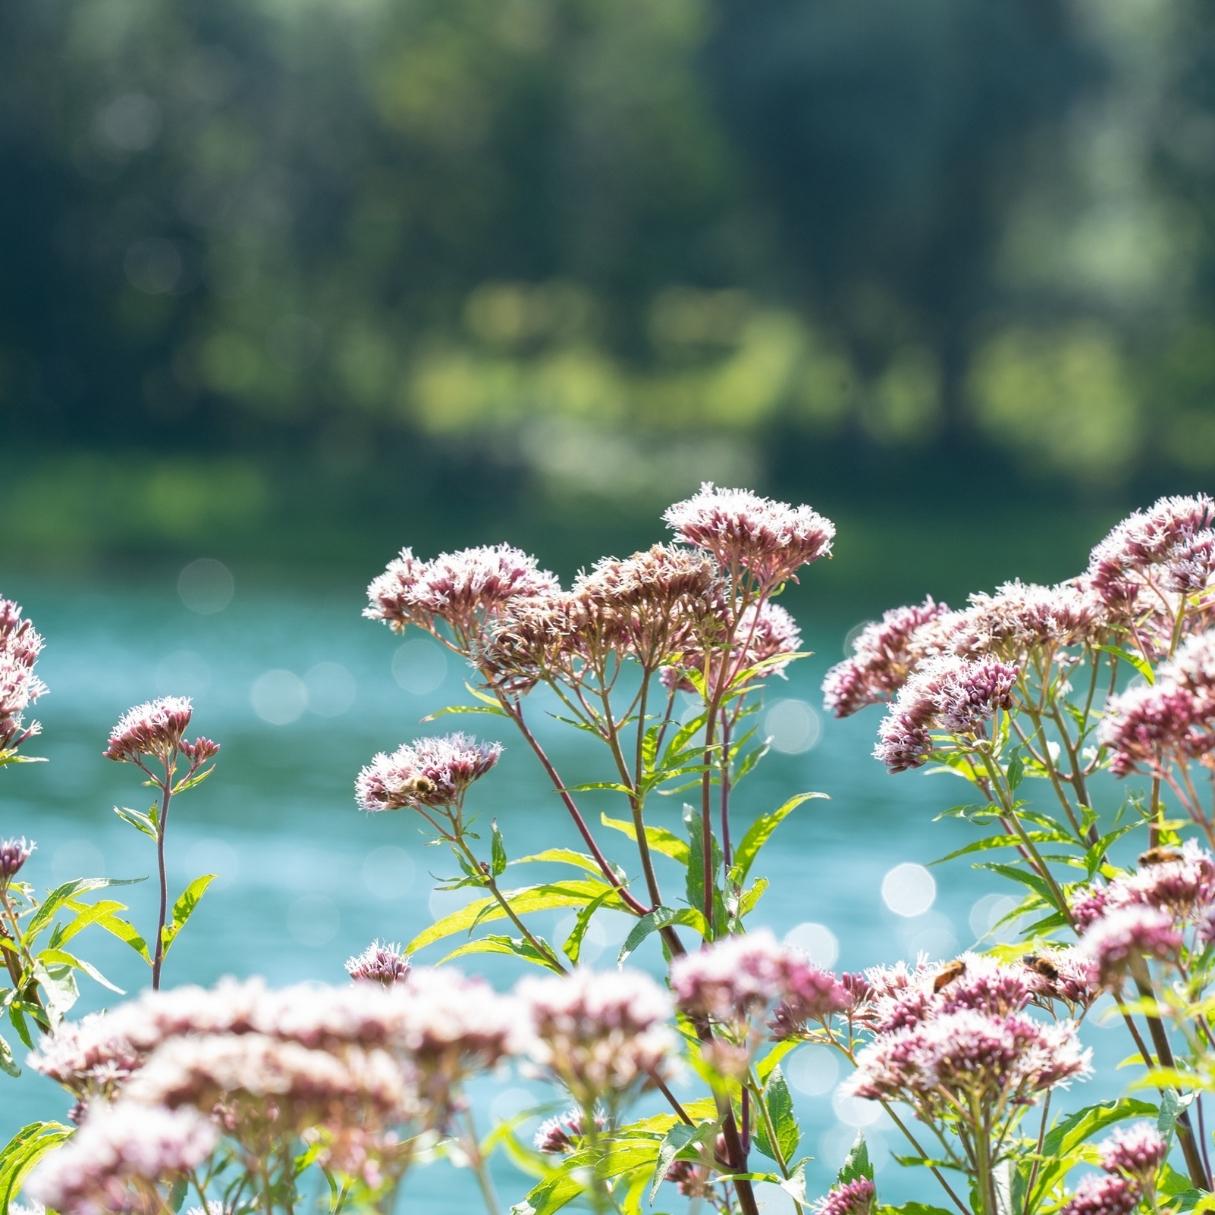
x,y
301,692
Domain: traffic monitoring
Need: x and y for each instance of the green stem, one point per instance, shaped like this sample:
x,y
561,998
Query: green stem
x,y
162,822
770,1131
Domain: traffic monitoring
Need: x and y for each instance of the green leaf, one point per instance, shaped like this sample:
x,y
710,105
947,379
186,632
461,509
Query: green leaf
x,y
517,947
549,1195
695,885
60,895
679,1138
59,990
449,710
655,921
191,782
1060,1147
1135,660
63,958
760,832
572,948
779,1103
177,1195
1015,772
7,1062
137,819
659,838
574,893
85,914
23,1151
857,1163
127,933
498,861
562,856
184,908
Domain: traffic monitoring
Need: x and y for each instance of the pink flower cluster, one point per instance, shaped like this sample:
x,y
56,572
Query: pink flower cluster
x,y
1131,1157
600,1034
155,730
564,1132
429,772
738,977
13,855
462,589
764,633
1150,726
962,1032
1169,547
958,696
111,1163
20,645
1144,915
770,540
855,1197
379,963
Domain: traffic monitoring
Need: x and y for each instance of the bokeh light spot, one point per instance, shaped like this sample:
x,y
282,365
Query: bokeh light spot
x,y
206,586
816,941
792,726
331,689
419,666
279,697
909,889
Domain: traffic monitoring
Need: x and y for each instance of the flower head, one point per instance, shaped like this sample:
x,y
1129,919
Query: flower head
x,y
1125,936
1135,1151
564,1132
599,1034
20,645
429,772
379,963
462,589
13,854
153,729
764,633
770,540
100,1169
883,655
1103,1196
854,1197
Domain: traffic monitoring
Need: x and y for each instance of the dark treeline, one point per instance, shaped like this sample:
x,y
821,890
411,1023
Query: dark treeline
x,y
593,240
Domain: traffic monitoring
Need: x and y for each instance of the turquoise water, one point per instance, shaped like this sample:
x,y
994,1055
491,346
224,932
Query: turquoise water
x,y
300,692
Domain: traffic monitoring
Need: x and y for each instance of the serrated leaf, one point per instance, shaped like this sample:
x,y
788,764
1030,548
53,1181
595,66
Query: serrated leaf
x,y
856,1164
517,947
185,906
544,897
7,1062
659,838
561,856
60,895
572,947
23,1151
655,921
760,832
498,860
137,819
549,1195
779,1103
676,1140
450,710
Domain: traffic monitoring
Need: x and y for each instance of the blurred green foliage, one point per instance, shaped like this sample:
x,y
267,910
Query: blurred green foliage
x,y
572,249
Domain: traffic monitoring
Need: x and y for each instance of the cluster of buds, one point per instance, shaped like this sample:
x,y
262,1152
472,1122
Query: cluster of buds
x,y
956,696
565,1132
768,540
156,731
427,774
20,645
462,590
856,1197
1147,914
1131,1158
13,855
737,979
602,1035
381,963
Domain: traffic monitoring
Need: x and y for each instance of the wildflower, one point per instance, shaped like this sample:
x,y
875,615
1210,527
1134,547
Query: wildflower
x,y
153,729
1123,937
100,1170
13,854
739,976
462,589
883,655
601,1035
1182,882
564,1132
957,695
379,963
429,772
532,639
692,1180
652,605
1135,1152
957,1056
770,540
1023,617
1169,545
1103,1196
20,646
852,1198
